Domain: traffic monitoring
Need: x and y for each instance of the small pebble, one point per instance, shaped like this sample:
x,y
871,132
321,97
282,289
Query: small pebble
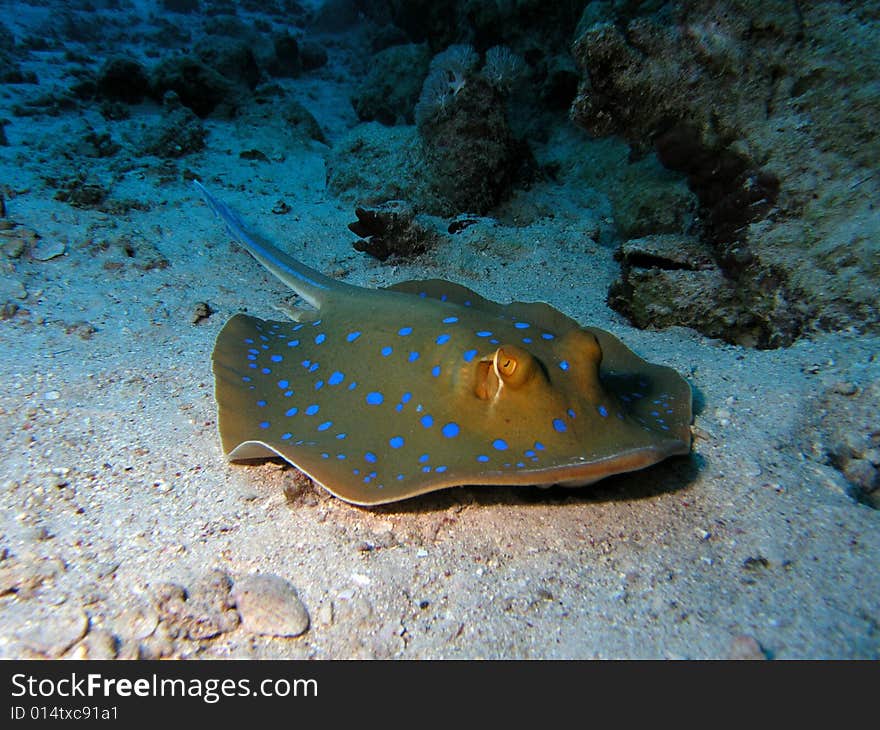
x,y
845,388
138,621
201,310
53,395
97,644
745,647
46,249
43,629
324,615
269,605
360,579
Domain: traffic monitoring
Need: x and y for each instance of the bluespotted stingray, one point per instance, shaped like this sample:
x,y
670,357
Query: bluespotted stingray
x,y
383,394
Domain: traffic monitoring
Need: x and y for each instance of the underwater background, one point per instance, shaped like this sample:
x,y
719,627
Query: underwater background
x,y
699,178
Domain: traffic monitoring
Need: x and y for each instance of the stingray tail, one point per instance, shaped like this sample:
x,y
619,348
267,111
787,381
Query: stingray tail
x,y
311,285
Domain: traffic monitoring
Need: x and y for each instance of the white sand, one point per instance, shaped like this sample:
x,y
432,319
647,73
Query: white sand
x,y
748,536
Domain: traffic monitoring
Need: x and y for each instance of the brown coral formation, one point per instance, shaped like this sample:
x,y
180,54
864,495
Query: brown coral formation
x,y
766,107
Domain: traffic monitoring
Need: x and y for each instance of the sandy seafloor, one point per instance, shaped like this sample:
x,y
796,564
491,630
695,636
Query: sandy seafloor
x,y
112,480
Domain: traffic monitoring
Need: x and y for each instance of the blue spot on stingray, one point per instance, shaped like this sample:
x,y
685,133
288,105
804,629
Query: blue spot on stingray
x,y
655,414
500,444
286,436
316,322
319,385
352,336
355,471
547,336
399,407
386,351
443,339
559,425
248,341
306,364
603,411
395,442
336,378
253,351
493,341
252,366
352,385
375,398
341,457
246,378
539,446
293,343
276,358
399,477
563,364
469,355
435,371
423,458
320,338
427,420
313,409
451,430
266,371
440,469
288,393
404,331
264,424
483,333
370,457
406,398
450,320
314,366
483,458
283,384
413,356
426,469
571,413
251,357
443,297
261,404
521,325
527,340
324,426
291,411
529,453
341,436
325,455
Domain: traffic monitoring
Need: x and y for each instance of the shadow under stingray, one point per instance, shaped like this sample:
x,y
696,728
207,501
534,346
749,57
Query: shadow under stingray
x,y
673,475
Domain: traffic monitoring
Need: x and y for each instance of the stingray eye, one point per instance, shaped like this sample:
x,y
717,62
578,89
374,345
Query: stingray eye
x,y
513,365
506,365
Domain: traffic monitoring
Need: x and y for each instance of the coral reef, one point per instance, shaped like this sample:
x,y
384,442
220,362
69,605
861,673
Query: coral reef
x,y
754,103
122,79
391,89
467,144
392,229
179,132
